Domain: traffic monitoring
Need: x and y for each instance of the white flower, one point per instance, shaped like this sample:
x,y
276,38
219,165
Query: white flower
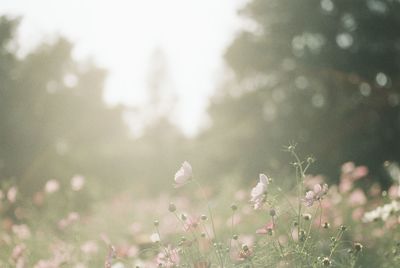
x,y
382,212
12,194
51,186
259,191
77,182
22,231
118,265
155,238
183,175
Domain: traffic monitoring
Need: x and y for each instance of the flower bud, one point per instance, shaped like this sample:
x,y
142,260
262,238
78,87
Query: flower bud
x,y
310,159
326,225
326,261
272,212
172,207
234,207
358,247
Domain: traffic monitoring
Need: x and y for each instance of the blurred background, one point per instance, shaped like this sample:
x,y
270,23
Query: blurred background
x,y
122,92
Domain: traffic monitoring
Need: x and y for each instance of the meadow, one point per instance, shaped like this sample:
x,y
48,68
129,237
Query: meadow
x,y
297,222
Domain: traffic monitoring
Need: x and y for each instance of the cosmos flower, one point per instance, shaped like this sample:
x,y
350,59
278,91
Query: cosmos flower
x,y
266,229
12,194
168,258
259,191
155,237
382,212
316,194
77,182
191,223
51,186
183,175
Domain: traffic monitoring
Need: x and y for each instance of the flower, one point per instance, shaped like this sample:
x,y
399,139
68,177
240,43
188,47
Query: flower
x,y
89,247
350,174
266,229
155,237
22,231
168,258
51,186
259,191
357,198
316,194
183,175
77,182
12,194
382,212
191,223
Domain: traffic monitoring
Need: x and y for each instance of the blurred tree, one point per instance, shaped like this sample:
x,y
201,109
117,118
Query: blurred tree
x,y
53,122
323,73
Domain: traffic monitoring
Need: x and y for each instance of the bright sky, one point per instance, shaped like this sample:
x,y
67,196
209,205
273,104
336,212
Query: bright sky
x,y
122,35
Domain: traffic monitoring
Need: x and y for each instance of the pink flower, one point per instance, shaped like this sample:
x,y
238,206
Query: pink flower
x,y
357,198
351,173
266,229
183,175
168,258
259,191
191,223
316,194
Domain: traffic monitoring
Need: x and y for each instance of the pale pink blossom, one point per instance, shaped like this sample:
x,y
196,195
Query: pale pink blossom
x,y
394,192
183,175
18,251
169,257
266,229
90,247
22,231
258,193
357,198
315,195
191,223
12,194
51,186
351,173
77,182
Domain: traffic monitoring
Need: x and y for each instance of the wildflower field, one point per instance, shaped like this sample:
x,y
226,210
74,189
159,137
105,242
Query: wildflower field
x,y
199,133
303,223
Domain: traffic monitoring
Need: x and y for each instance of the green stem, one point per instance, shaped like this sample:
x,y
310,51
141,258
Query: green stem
x,y
211,219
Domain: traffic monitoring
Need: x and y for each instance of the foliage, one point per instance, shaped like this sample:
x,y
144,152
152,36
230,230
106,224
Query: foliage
x,y
323,73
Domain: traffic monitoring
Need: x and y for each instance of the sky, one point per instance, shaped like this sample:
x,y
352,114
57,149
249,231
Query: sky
x,y
124,35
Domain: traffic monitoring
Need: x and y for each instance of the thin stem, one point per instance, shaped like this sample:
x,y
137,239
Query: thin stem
x,y
309,227
211,219
336,242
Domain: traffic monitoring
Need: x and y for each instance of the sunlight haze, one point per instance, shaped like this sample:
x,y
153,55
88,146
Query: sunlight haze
x,y
123,35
